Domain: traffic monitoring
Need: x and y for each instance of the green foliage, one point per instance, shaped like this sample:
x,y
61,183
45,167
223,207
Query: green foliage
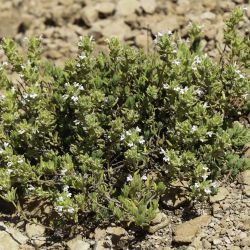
x,y
106,135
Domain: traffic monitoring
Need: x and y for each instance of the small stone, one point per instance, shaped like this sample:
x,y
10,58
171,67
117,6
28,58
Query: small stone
x,y
106,8
217,241
127,7
34,230
208,15
221,195
183,6
235,248
158,218
165,221
117,231
89,15
148,6
243,235
185,232
78,244
246,242
247,191
100,233
206,244
244,177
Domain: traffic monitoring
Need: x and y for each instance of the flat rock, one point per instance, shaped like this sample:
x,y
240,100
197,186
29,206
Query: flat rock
x,y
247,191
10,238
34,230
162,221
185,233
106,8
116,29
89,14
127,7
148,6
221,195
169,23
117,231
246,242
78,244
244,177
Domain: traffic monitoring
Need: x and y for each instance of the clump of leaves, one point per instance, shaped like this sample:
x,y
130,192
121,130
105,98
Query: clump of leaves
x,y
107,135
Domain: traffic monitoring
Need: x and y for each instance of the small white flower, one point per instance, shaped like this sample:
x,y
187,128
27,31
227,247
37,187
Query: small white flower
x,y
194,128
122,137
197,185
9,171
177,89
170,32
162,151
2,97
182,91
67,84
65,97
69,194
60,198
241,76
245,96
20,161
199,92
71,210
174,51
6,144
138,129
21,131
166,159
21,75
129,178
159,34
63,171
141,140
59,209
176,62
81,88
204,176
66,188
194,67
74,98
205,168
22,66
25,96
78,65
202,140
82,56
209,133
128,132
144,177
244,8
25,39
13,89
30,188
130,144
1,151
76,84
9,164
214,184
207,191
166,86
77,122
5,64
205,105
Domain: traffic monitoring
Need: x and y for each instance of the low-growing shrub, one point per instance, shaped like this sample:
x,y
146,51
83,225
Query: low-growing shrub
x,y
106,136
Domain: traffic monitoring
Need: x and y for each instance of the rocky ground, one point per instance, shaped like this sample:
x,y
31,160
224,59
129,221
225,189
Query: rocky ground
x,y
223,222
135,22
